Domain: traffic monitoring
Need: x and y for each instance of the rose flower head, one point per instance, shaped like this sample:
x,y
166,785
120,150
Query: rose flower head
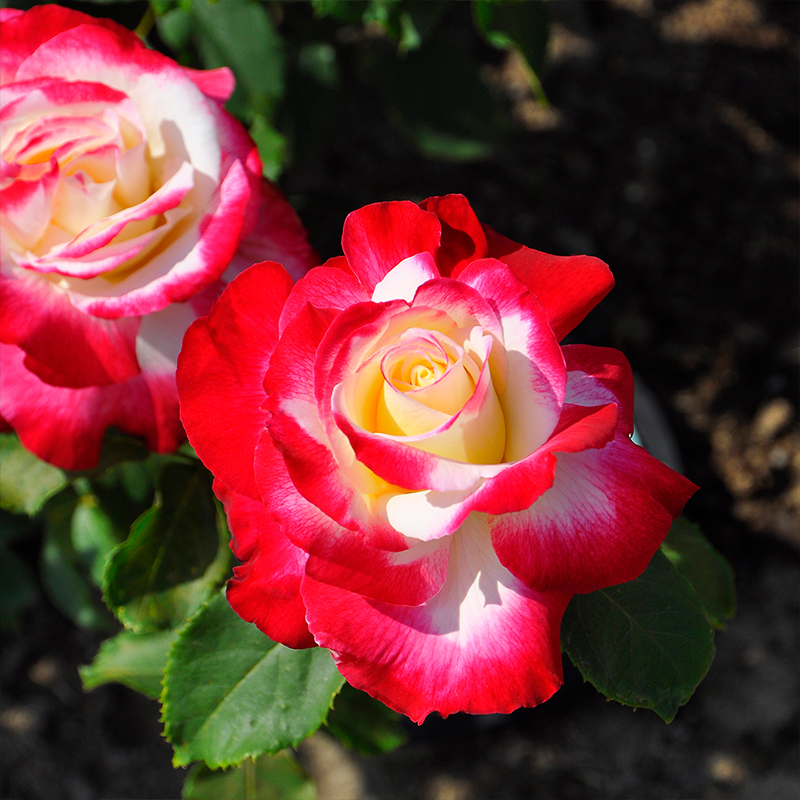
x,y
416,474
129,198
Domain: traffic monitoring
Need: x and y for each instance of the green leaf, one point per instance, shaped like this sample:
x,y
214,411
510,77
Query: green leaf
x,y
239,34
94,536
118,447
277,777
271,147
136,660
64,573
175,27
364,724
456,117
26,482
521,24
172,559
351,11
706,570
230,693
646,643
132,481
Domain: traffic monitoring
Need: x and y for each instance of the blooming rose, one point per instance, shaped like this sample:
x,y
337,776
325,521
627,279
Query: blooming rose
x,y
417,476
127,192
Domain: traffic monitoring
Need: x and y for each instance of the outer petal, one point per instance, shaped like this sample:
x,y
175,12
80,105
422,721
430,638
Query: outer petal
x,y
65,426
278,235
216,83
463,236
338,555
221,372
23,32
599,375
64,346
265,589
378,237
568,287
323,288
599,525
484,644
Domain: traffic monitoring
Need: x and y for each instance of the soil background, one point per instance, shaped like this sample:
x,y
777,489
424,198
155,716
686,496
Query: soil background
x,y
670,150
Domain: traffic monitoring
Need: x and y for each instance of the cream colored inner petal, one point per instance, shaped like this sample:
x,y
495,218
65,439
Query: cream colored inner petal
x,y
104,168
421,387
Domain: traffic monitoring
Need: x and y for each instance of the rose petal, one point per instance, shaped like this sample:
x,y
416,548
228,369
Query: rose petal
x,y
567,287
66,426
463,236
265,588
484,644
221,373
402,281
340,556
599,525
65,347
376,238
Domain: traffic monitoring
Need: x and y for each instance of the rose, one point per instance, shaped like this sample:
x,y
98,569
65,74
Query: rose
x,y
416,475
129,199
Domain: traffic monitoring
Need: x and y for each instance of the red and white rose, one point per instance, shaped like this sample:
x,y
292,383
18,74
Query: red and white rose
x,y
416,474
129,199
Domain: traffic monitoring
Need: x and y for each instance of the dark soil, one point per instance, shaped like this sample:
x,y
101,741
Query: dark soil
x,y
670,151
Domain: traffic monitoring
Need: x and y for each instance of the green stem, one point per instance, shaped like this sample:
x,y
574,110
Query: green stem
x,y
146,23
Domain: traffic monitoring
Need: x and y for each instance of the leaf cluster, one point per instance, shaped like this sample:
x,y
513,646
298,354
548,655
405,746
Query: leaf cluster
x,y
292,59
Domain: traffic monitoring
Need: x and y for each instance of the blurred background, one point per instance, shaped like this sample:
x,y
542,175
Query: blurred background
x,y
661,137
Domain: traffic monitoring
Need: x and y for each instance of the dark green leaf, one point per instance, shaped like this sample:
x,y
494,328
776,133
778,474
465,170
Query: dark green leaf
x,y
522,24
118,447
230,693
64,574
455,117
239,34
706,570
93,536
351,11
172,559
646,643
15,526
277,777
365,724
132,481
136,660
175,27
26,482
271,147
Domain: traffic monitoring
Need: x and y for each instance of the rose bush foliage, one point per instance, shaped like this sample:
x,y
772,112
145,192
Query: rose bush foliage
x,y
129,200
416,474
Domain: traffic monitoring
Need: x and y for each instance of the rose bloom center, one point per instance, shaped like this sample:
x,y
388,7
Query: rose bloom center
x,y
433,390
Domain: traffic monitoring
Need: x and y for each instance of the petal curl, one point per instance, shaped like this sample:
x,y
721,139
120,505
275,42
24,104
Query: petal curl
x,y
376,238
484,644
463,236
568,287
600,523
